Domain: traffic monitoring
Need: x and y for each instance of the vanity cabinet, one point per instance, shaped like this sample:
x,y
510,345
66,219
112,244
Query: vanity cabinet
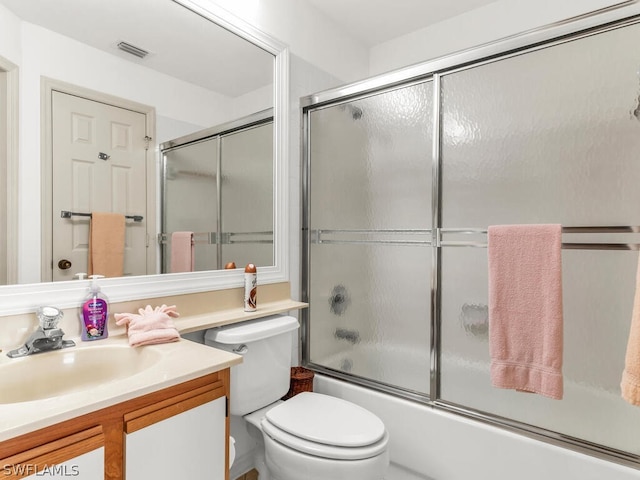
x,y
165,446
82,452
91,464
178,432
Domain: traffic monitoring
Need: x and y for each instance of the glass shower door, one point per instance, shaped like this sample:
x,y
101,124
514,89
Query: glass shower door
x,y
549,136
246,196
190,200
369,220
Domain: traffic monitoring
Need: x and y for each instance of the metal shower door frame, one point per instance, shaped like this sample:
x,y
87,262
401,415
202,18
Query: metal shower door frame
x,y
600,21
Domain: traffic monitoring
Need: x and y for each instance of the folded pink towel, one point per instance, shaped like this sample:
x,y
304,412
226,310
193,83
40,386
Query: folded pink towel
x,y
182,252
150,326
630,384
525,308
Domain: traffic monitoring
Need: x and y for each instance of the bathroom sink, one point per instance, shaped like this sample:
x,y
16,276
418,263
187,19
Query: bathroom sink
x,y
74,369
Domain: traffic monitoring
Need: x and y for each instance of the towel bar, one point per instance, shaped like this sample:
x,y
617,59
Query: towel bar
x,y
566,246
68,214
417,237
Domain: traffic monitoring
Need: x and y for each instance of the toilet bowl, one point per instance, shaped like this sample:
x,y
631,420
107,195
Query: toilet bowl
x,y
315,437
311,436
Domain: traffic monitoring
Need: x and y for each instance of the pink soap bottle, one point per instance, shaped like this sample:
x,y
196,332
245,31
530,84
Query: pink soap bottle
x,y
94,312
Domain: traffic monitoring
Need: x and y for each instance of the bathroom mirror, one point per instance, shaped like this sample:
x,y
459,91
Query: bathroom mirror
x,y
38,63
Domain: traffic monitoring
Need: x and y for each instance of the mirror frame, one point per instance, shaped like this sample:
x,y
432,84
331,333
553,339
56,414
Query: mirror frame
x,y
15,299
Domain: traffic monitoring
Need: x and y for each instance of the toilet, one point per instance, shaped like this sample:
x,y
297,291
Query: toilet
x,y
310,436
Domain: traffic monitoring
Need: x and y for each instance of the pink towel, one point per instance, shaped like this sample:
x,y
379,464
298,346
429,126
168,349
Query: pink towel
x,y
525,308
150,326
106,244
182,252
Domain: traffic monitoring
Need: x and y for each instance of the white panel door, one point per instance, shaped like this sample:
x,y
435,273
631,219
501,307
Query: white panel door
x,y
99,165
190,445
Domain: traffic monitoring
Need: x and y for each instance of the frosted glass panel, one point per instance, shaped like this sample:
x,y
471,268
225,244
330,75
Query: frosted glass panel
x,y
370,216
231,216
247,196
548,136
596,324
190,180
371,162
366,318
543,137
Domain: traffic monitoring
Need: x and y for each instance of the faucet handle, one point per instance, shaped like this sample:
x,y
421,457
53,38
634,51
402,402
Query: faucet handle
x,y
49,317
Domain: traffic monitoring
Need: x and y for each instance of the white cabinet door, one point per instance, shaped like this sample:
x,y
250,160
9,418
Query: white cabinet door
x,y
189,445
88,466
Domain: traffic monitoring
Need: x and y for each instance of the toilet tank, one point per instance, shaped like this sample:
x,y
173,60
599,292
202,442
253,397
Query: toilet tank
x,y
265,345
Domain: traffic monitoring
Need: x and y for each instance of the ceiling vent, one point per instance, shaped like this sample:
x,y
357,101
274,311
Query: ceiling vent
x,y
132,49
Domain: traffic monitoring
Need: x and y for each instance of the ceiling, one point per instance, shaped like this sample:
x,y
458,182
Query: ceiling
x,y
180,42
377,21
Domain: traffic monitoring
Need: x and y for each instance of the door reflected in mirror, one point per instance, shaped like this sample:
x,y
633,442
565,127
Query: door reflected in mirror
x,y
194,76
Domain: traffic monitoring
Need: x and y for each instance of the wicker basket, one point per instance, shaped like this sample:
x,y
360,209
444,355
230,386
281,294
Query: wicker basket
x,y
301,381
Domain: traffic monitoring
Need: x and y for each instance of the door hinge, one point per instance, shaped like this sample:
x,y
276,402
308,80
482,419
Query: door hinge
x,y
147,139
226,406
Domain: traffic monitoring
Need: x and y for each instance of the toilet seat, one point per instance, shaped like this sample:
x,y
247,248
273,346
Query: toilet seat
x,y
326,426
323,450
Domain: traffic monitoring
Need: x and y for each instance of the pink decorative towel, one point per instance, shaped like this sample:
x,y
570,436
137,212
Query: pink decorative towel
x,y
182,252
525,308
150,326
630,384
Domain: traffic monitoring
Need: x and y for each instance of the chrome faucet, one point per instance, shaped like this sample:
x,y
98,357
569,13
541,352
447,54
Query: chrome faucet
x,y
47,337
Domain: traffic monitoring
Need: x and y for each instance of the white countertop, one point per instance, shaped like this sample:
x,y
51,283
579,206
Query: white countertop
x,y
166,365
177,362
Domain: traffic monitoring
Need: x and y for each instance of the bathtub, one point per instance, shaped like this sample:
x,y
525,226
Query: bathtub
x,y
432,444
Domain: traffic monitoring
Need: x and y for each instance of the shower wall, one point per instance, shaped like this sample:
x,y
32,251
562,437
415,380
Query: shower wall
x,y
547,134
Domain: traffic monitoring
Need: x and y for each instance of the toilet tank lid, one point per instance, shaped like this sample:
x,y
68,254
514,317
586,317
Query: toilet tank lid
x,y
252,330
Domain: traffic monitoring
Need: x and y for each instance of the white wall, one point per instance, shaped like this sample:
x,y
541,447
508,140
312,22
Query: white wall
x,y
9,35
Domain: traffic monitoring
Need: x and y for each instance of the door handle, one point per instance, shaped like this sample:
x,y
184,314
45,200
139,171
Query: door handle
x,y
64,264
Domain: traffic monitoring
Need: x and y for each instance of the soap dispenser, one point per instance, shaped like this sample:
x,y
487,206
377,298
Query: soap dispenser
x,y
94,312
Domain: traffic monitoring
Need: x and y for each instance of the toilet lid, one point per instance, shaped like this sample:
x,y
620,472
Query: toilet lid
x,y
322,450
327,420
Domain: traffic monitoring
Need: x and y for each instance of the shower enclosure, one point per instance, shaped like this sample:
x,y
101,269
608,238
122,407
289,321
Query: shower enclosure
x,y
218,184
402,176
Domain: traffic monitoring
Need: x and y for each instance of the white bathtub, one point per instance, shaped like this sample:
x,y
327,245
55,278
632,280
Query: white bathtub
x,y
426,443
609,420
